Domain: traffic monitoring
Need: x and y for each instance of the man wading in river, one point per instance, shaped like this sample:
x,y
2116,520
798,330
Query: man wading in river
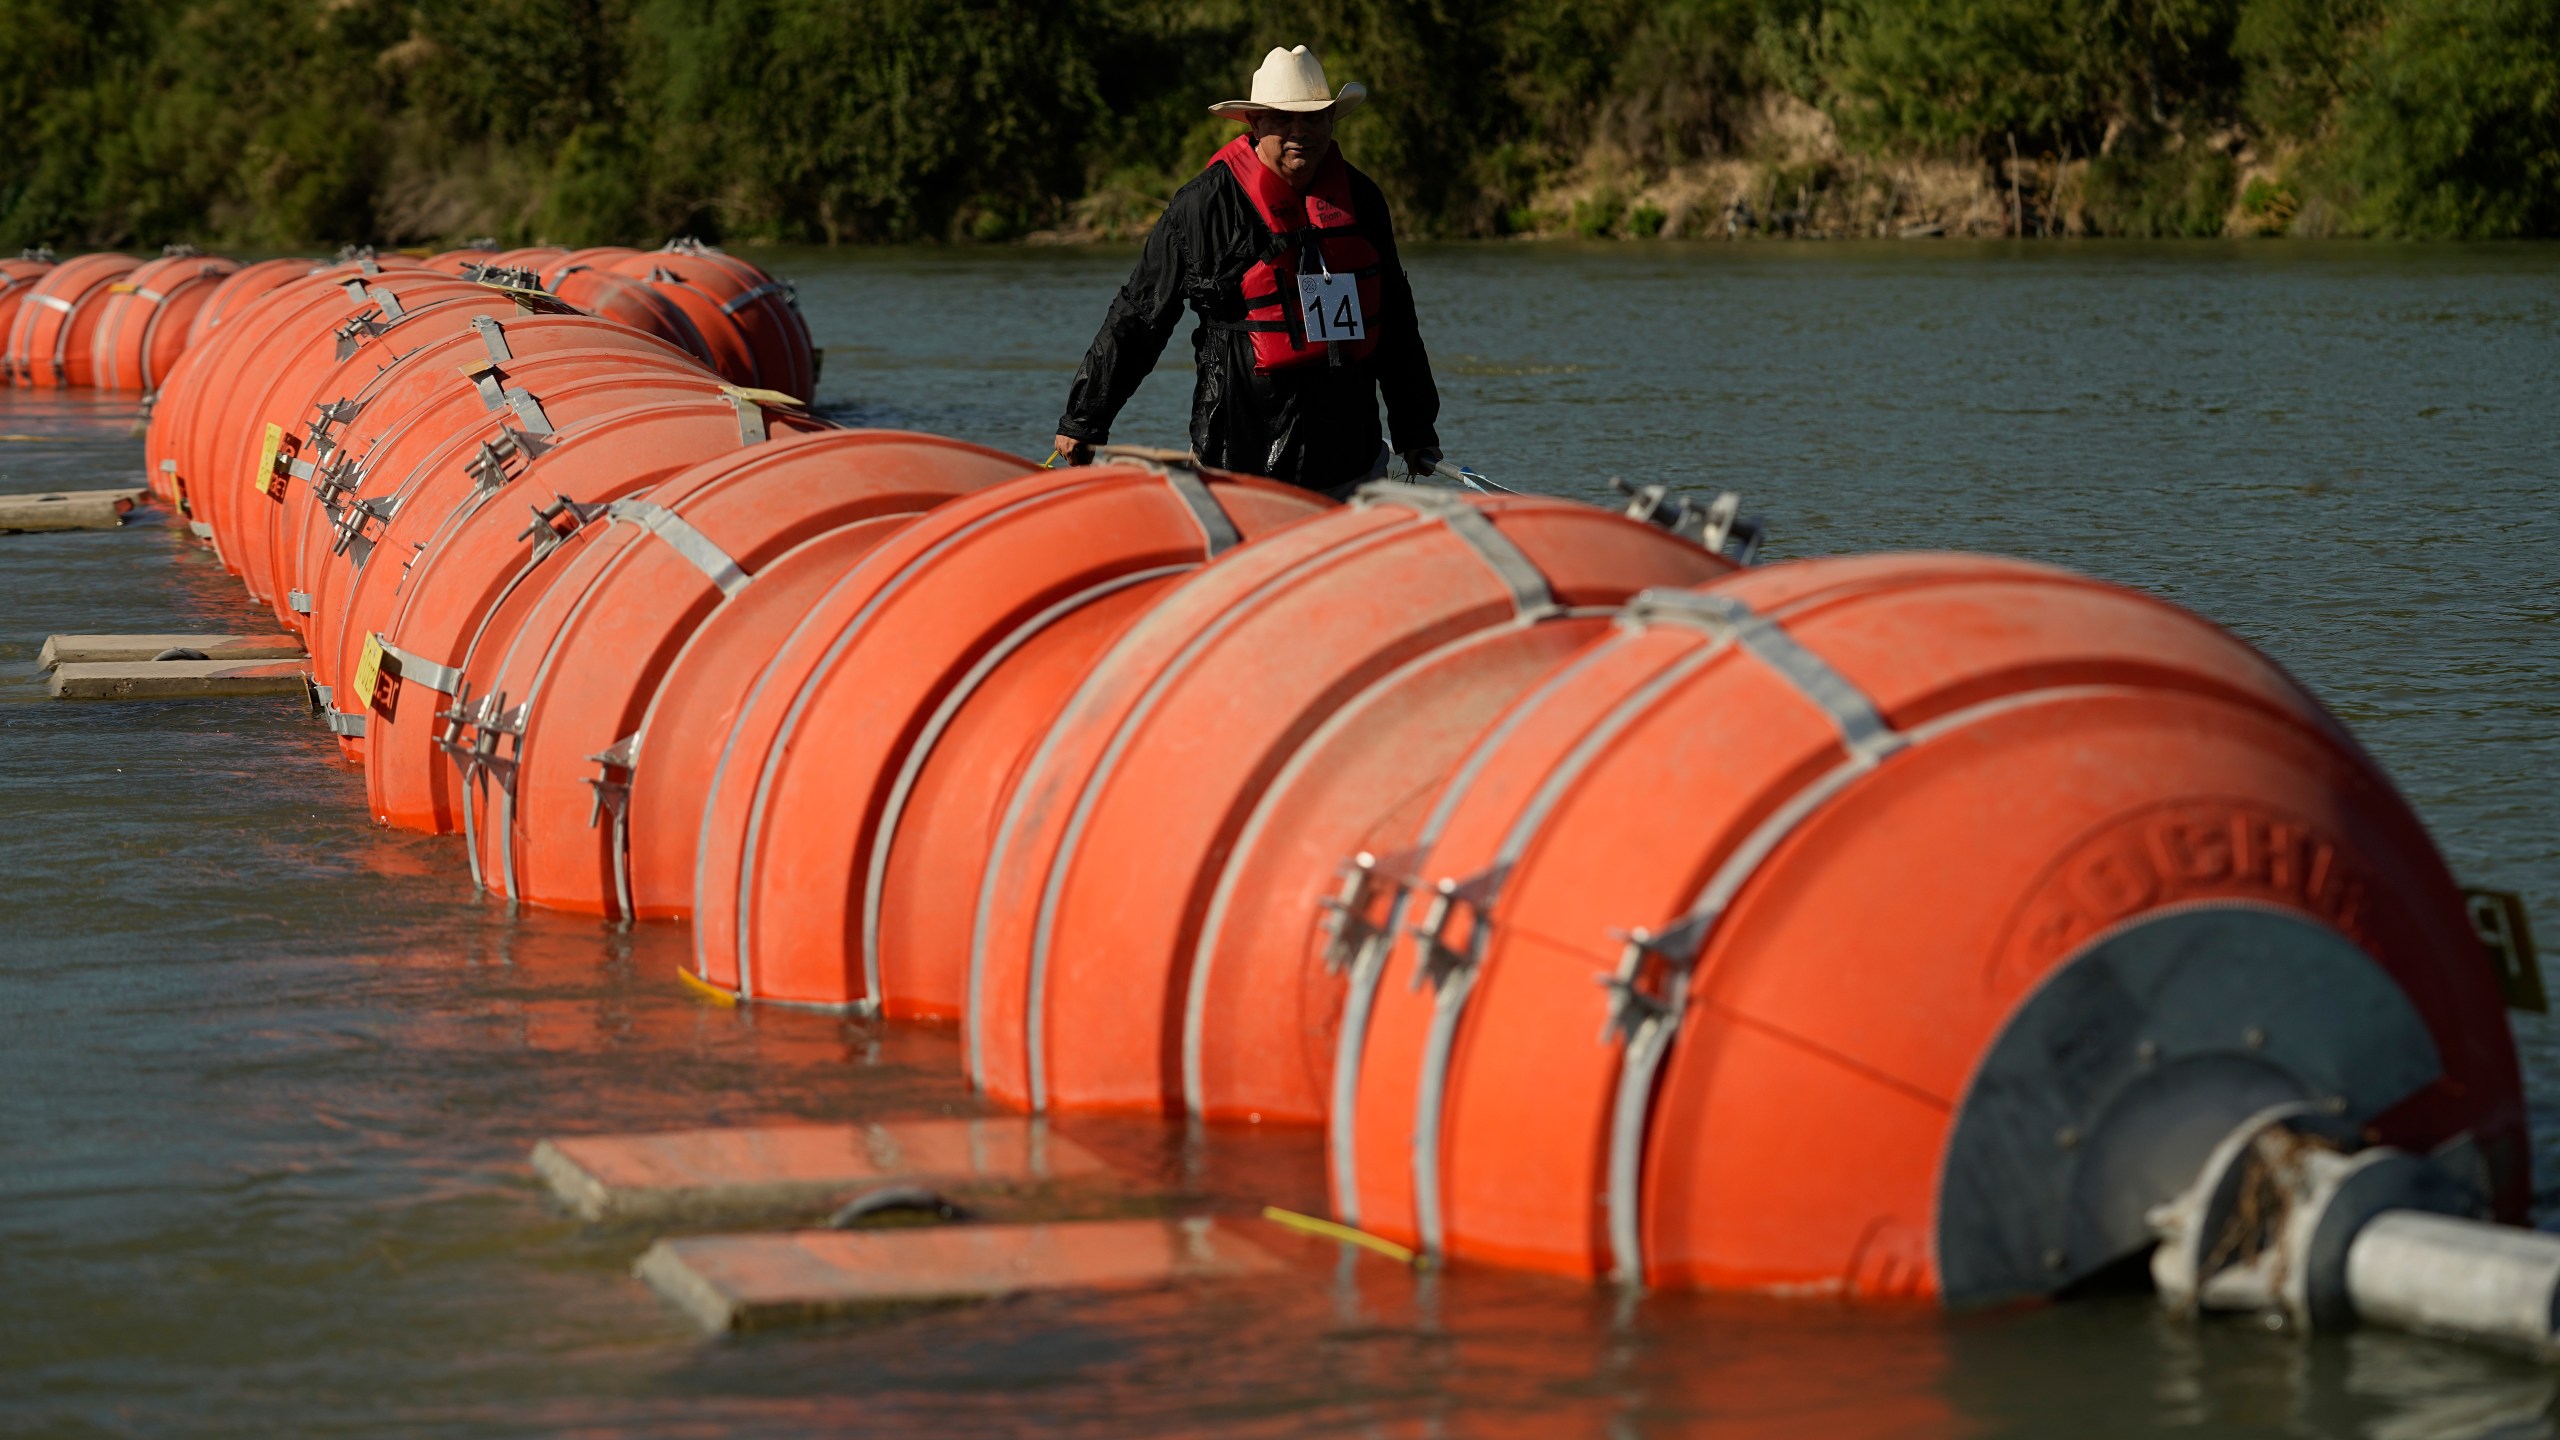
x,y
1289,257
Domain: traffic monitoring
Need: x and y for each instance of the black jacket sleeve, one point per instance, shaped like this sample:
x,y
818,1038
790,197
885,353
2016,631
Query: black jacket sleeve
x,y
1134,331
1404,366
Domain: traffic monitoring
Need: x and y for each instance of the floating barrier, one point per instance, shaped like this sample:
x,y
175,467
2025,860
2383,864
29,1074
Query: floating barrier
x,y
1909,926
18,277
1973,872
1105,861
935,648
576,672
750,320
149,317
51,338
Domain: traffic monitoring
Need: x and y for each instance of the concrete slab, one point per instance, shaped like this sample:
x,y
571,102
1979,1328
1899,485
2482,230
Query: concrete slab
x,y
68,509
178,679
804,1169
759,1282
130,649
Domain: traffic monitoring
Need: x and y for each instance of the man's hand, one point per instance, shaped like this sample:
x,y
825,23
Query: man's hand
x,y
1072,451
1421,462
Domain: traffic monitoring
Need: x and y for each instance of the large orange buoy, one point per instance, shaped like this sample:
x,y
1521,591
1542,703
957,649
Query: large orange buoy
x,y
614,296
278,400
198,408
577,673
238,290
611,434
1107,858
805,809
50,340
749,319
17,277
149,316
338,451
1901,925
409,450
561,264
173,414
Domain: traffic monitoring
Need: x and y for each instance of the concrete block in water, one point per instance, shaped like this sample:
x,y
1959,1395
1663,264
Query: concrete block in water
x,y
129,649
803,1168
756,1282
67,509
178,679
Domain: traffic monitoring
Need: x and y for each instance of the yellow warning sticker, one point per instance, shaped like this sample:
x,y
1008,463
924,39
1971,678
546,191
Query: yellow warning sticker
x,y
266,476
122,287
368,681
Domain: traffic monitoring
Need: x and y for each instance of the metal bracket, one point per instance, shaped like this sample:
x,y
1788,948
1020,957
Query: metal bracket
x,y
494,336
1435,959
1717,525
1347,927
473,734
613,793
298,601
488,466
1646,983
557,521
350,521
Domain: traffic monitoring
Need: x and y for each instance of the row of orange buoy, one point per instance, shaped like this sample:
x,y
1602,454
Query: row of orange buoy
x,y
1621,908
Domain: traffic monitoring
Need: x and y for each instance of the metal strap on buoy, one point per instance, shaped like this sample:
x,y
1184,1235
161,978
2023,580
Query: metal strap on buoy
x,y
750,297
697,548
1531,596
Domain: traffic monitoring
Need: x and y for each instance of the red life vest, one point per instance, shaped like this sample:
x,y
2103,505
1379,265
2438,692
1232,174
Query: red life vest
x,y
1318,225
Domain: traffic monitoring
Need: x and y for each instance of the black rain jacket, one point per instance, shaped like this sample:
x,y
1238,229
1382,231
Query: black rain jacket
x,y
1314,424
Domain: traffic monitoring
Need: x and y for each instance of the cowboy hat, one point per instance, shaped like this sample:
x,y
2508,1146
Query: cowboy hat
x,y
1293,80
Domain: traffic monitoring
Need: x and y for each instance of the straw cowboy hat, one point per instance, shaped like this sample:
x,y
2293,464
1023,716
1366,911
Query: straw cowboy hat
x,y
1293,80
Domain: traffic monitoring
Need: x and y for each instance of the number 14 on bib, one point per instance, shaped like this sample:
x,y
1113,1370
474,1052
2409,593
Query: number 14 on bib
x,y
1331,304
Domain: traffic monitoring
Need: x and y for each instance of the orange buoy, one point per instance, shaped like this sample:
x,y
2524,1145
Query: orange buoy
x,y
577,671
638,304
239,289
1108,854
279,400
610,432
397,454
805,810
561,264
17,277
749,319
461,259
149,316
368,399
1942,911
200,416
57,322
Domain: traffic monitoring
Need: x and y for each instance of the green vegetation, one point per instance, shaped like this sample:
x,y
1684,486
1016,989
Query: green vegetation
x,y
298,122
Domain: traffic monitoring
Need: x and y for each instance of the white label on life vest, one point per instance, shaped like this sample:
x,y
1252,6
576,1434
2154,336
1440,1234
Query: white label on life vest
x,y
1331,304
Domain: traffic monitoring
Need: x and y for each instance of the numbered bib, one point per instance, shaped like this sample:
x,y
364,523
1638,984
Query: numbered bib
x,y
1331,304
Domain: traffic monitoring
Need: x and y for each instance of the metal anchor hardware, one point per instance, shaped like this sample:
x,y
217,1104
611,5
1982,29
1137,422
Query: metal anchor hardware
x,y
1652,971
558,521
351,522
1435,959
488,465
612,787
1716,525
1348,928
487,726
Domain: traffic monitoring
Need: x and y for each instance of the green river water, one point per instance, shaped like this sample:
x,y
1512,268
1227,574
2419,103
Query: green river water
x,y
268,1075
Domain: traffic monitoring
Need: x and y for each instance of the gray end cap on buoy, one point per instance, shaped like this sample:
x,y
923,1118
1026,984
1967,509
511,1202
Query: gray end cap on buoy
x,y
2130,1061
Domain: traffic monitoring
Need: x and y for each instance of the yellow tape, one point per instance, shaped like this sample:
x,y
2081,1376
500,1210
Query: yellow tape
x,y
1334,1230
266,476
762,397
122,287
705,988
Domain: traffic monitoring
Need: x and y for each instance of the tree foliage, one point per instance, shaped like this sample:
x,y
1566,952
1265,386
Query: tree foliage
x,y
306,121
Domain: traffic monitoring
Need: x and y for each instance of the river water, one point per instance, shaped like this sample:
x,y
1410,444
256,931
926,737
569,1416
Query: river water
x,y
268,1076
